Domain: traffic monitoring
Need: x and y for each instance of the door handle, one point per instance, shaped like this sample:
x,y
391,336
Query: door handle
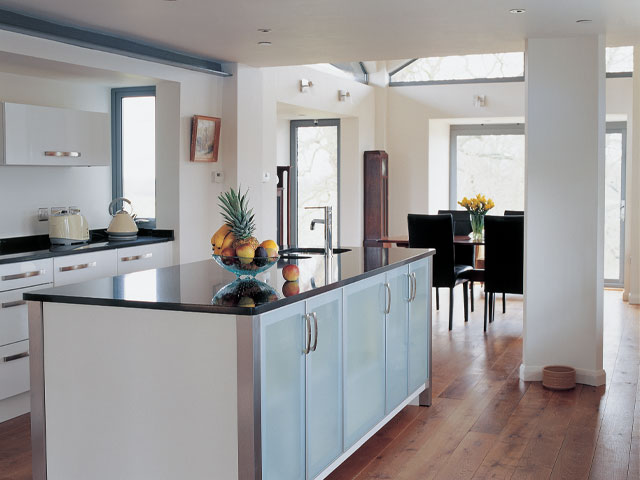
x,y
388,303
15,303
11,358
315,331
415,286
307,348
410,287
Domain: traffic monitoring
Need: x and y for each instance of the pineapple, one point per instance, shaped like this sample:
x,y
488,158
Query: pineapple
x,y
239,217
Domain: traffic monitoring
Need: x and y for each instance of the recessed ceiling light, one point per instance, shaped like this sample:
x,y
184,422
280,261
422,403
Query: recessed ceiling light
x,y
584,20
264,30
517,10
264,44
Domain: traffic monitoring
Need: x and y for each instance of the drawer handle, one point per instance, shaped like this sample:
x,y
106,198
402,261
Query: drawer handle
x,y
387,308
17,276
136,257
15,303
11,358
82,266
50,153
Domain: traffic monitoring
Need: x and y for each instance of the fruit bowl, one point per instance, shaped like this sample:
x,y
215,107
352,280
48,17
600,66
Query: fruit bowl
x,y
256,266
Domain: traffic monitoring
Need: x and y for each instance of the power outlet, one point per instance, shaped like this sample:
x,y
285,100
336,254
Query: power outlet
x,y
43,214
218,177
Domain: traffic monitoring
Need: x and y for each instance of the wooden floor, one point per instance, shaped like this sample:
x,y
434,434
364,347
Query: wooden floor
x,y
484,422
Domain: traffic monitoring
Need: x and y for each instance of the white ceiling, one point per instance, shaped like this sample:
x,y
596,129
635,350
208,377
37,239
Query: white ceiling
x,y
315,31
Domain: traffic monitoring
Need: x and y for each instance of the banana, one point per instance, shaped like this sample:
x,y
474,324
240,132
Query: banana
x,y
218,237
228,241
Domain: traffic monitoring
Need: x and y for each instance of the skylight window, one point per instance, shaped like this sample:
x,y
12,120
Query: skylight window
x,y
463,68
619,59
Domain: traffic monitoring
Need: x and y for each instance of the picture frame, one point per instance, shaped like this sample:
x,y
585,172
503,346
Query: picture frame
x,y
205,138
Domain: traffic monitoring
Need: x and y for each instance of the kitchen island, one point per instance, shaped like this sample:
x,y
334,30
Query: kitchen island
x,y
152,375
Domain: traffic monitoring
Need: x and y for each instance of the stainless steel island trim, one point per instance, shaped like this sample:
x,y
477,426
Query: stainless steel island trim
x,y
249,397
425,398
36,366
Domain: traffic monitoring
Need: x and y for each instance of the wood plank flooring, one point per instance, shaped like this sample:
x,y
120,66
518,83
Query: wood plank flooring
x,y
485,423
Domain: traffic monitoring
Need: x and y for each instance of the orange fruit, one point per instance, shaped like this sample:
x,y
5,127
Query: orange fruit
x,y
270,244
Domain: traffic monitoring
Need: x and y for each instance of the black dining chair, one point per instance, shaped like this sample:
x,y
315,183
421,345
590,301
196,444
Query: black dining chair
x,y
436,231
503,259
464,254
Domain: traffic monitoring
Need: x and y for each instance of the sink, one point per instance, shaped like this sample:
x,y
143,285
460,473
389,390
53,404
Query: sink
x,y
313,251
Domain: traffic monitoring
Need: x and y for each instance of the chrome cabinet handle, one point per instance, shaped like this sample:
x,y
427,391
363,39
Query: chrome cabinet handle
x,y
51,153
415,286
410,287
315,331
16,276
82,266
307,348
11,358
388,306
15,303
136,257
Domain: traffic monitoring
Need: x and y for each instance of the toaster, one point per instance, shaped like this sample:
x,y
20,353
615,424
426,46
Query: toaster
x,y
67,226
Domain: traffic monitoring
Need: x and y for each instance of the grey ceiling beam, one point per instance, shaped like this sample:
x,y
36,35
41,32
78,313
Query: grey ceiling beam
x,y
97,40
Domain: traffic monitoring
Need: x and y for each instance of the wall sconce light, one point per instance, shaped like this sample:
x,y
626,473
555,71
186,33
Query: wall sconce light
x,y
305,85
479,101
344,95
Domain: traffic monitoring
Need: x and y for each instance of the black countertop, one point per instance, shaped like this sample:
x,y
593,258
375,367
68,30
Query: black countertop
x,y
193,286
36,247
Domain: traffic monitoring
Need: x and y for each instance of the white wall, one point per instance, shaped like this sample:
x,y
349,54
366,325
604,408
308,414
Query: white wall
x,y
358,132
24,189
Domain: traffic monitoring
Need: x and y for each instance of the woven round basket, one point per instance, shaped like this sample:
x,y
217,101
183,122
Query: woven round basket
x,y
557,377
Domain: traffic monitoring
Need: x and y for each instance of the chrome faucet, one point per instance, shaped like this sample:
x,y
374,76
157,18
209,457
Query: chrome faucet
x,y
328,230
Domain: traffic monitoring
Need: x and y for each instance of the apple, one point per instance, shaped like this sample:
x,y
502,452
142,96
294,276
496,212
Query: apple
x,y
291,273
290,288
246,302
245,253
227,255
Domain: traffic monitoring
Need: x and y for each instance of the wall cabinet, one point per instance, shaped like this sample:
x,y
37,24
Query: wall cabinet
x,y
47,136
376,197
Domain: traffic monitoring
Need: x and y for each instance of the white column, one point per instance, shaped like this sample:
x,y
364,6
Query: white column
x,y
633,193
565,128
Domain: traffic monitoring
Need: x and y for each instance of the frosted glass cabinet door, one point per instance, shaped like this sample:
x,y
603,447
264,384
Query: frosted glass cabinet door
x,y
397,338
364,367
420,324
282,339
324,384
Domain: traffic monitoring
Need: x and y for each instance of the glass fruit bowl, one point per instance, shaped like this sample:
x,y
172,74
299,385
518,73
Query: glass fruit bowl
x,y
251,269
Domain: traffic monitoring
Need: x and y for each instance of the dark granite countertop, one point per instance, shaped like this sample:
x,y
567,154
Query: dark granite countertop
x,y
193,286
36,247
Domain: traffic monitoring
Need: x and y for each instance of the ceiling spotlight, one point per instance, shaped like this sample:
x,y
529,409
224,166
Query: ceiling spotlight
x,y
584,20
264,44
264,30
517,10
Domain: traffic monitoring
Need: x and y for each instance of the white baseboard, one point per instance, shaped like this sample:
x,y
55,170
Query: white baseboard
x,y
15,406
533,373
634,298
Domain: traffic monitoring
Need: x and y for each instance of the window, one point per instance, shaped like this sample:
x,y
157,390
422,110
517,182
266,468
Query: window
x,y
134,149
489,67
462,69
488,159
619,60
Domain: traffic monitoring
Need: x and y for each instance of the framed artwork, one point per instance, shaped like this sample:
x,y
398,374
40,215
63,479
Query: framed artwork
x,y
205,138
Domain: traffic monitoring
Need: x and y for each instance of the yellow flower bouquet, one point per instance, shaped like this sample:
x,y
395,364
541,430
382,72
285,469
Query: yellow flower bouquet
x,y
477,207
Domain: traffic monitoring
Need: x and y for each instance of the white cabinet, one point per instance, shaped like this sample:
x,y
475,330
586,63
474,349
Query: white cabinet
x,y
14,369
47,136
364,357
420,324
83,267
14,324
397,337
26,274
144,257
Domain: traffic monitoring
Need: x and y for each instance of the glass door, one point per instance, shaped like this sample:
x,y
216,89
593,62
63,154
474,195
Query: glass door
x,y
315,162
614,203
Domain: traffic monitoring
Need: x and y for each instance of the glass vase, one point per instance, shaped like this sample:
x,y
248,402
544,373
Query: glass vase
x,y
477,226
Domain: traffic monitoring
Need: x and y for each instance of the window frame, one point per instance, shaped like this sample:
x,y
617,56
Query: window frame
x,y
117,94
468,130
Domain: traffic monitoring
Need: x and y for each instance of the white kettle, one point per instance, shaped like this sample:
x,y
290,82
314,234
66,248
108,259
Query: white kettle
x,y
122,226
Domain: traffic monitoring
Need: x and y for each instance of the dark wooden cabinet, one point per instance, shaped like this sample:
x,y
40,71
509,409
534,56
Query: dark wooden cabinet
x,y
283,199
376,197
